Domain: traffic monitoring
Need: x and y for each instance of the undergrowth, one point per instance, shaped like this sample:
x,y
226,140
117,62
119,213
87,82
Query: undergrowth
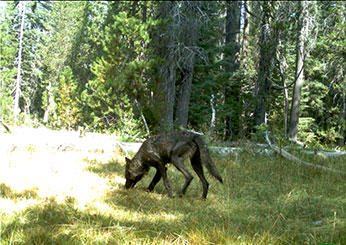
x,y
264,200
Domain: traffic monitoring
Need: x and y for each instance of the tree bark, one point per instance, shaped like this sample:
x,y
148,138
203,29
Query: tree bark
x,y
342,139
246,30
168,72
16,108
190,31
286,108
300,59
343,123
183,100
177,45
49,107
232,49
213,115
166,37
282,66
266,55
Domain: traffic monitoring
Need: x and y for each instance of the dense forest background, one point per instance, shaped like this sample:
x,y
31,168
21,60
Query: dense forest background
x,y
229,69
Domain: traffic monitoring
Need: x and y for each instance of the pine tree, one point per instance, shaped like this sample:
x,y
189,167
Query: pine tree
x,y
67,101
27,35
119,75
62,26
328,74
93,16
8,52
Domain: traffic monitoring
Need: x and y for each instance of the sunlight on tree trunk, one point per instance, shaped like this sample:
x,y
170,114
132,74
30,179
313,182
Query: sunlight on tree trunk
x,y
300,59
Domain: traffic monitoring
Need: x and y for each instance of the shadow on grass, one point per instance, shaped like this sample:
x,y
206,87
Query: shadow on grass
x,y
108,169
63,223
114,169
263,200
145,218
55,223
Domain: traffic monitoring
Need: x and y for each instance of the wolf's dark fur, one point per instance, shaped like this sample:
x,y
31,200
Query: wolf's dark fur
x,y
173,148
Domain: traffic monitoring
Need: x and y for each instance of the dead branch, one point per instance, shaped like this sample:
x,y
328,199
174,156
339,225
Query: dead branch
x,y
289,156
5,126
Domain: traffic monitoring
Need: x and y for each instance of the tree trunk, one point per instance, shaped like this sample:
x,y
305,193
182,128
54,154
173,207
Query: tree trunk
x,y
300,56
177,45
190,31
49,103
213,115
168,72
232,49
342,139
165,97
282,66
16,108
286,108
183,100
266,55
246,30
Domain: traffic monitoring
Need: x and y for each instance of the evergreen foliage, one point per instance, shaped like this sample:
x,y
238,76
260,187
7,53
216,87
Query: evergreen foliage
x,y
102,64
119,76
67,101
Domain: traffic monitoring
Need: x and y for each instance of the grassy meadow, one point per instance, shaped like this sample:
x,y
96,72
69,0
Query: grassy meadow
x,y
71,197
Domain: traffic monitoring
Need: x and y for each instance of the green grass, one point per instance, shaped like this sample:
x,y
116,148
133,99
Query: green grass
x,y
264,200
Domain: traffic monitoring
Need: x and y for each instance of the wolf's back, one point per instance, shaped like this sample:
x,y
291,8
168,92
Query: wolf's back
x,y
206,159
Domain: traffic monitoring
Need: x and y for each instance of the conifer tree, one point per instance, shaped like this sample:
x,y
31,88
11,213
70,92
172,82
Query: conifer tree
x,y
118,74
67,101
8,46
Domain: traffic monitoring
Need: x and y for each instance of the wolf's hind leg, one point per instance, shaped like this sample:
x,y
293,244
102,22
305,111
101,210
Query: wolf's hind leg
x,y
179,164
197,166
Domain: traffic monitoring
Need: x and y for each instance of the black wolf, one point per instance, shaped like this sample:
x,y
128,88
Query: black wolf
x,y
173,148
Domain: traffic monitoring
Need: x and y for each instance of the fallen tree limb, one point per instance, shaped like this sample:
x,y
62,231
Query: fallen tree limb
x,y
326,154
289,156
5,126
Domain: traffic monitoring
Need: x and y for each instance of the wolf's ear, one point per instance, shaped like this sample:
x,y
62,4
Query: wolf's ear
x,y
127,160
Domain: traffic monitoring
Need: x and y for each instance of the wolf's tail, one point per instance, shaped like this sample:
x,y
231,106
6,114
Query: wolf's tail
x,y
206,159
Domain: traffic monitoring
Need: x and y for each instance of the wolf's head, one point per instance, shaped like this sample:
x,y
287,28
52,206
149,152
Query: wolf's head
x,y
133,174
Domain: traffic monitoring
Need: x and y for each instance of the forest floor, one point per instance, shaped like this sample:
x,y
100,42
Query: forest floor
x,y
59,188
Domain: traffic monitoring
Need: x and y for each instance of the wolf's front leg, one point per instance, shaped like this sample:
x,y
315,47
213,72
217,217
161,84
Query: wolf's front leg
x,y
155,180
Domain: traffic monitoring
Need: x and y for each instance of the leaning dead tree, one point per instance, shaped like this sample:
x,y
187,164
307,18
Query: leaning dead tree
x,y
290,157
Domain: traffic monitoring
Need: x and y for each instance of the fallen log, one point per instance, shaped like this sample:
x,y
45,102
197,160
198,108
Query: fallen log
x,y
326,154
289,156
